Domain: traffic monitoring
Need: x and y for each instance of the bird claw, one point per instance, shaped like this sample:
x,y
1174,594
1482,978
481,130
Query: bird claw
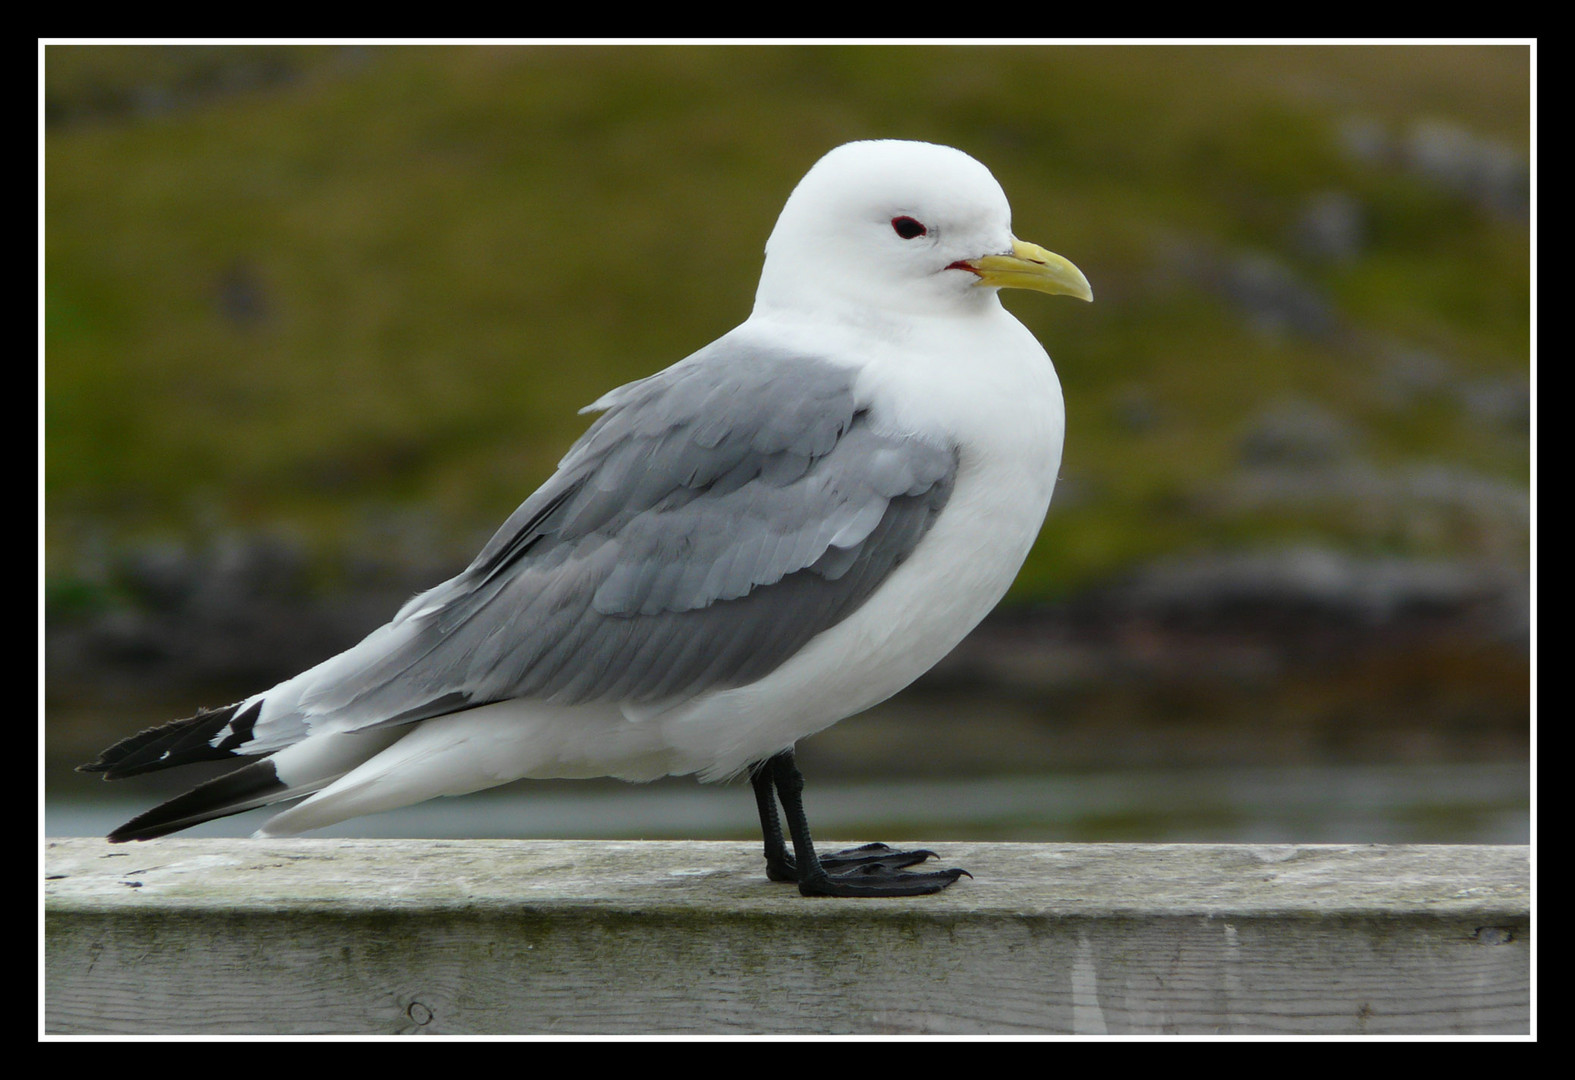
x,y
875,880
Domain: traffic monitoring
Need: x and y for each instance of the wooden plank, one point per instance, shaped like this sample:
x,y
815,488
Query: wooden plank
x,y
452,937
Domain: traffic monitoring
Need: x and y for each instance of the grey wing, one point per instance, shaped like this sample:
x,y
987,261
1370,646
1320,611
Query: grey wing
x,y
712,521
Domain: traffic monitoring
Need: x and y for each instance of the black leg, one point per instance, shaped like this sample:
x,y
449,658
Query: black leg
x,y
870,870
779,864
779,861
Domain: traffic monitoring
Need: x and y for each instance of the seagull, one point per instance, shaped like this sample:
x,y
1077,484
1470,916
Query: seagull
x,y
777,532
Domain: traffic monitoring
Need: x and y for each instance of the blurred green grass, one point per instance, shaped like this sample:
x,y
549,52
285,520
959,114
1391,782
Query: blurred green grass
x,y
297,286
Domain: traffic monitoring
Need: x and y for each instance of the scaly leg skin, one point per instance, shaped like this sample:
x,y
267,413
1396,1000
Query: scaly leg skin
x,y
869,870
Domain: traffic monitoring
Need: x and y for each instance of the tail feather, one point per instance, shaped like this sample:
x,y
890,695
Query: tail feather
x,y
288,773
180,742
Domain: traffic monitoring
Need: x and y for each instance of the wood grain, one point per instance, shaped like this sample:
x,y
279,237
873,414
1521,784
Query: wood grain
x,y
454,937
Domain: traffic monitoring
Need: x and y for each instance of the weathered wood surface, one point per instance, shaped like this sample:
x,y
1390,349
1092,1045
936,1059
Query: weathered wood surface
x,y
452,937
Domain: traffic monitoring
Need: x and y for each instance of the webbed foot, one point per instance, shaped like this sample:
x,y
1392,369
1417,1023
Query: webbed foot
x,y
867,870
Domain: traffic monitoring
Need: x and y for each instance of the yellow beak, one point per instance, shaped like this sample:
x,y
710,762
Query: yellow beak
x,y
1030,266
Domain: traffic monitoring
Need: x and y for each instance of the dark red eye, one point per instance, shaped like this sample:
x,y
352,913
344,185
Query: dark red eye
x,y
908,228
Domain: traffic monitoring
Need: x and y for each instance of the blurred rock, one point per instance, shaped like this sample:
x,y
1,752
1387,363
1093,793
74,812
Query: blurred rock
x,y
238,608
1408,375
1488,172
1328,653
1297,433
1323,582
1429,505
1445,155
235,570
1274,300
174,77
1266,291
1135,409
239,612
1497,402
160,576
1366,140
241,296
1331,227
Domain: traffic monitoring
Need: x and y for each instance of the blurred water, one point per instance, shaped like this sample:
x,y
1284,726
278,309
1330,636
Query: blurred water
x,y
1419,803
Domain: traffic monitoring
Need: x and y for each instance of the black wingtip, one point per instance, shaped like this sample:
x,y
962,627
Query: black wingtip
x,y
248,787
180,742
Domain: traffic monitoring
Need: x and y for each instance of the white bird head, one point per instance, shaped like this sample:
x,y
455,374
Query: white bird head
x,y
903,228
